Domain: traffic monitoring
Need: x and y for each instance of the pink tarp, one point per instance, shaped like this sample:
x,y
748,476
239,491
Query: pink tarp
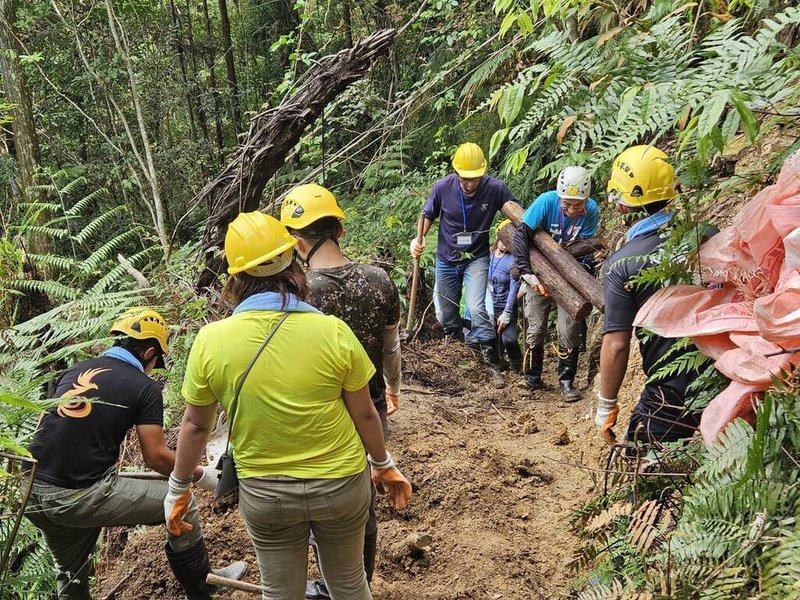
x,y
751,325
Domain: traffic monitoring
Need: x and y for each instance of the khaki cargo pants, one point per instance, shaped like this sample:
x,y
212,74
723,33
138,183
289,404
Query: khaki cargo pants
x,y
281,512
71,521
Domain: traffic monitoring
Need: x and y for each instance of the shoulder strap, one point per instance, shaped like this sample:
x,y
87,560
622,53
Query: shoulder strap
x,y
235,402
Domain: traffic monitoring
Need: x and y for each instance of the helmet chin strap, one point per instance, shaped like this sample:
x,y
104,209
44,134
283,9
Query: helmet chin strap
x,y
317,245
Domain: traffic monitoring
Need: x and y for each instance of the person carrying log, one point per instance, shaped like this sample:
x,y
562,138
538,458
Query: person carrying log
x,y
566,213
362,296
77,491
466,203
641,185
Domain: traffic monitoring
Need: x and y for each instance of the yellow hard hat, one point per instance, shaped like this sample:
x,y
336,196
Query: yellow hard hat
x,y
641,175
469,161
142,324
308,203
258,244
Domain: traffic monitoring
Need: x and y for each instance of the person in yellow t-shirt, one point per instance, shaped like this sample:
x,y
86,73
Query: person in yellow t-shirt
x,y
303,419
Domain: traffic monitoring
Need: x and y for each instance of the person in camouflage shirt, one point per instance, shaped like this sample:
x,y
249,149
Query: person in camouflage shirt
x,y
362,296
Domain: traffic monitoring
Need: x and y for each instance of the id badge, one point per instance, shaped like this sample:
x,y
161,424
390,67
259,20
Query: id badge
x,y
464,239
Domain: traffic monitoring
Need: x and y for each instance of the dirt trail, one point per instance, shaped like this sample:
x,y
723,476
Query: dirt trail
x,y
494,489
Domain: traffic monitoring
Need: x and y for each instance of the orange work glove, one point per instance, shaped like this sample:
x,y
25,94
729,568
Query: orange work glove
x,y
392,402
176,505
606,418
392,480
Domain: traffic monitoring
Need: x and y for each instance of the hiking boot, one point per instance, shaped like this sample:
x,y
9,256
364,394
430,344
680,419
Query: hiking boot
x,y
491,358
532,382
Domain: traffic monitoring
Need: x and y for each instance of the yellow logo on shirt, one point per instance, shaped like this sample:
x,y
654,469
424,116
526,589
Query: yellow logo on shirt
x,y
80,407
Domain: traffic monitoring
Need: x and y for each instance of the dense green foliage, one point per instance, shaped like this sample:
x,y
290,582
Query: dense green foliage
x,y
137,105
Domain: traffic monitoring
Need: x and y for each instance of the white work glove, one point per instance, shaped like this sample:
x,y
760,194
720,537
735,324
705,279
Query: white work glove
x,y
535,284
209,479
176,505
417,247
503,320
606,417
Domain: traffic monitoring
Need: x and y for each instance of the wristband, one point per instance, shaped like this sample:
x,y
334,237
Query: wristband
x,y
389,462
606,403
179,485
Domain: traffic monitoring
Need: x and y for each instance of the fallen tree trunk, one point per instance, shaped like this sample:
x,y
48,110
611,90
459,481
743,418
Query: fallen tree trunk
x,y
272,134
566,296
565,266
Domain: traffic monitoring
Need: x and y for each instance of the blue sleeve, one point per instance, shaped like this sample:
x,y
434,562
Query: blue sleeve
x,y
433,205
590,221
536,213
512,295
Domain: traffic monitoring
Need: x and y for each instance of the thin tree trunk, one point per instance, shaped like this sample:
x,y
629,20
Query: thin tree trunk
x,y
230,68
120,40
25,145
176,39
201,111
210,57
347,23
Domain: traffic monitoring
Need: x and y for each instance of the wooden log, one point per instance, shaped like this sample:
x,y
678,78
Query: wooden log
x,y
582,246
570,269
566,296
564,265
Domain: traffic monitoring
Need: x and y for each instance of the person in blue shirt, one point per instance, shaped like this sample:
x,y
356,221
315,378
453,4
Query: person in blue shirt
x,y
503,289
465,202
566,213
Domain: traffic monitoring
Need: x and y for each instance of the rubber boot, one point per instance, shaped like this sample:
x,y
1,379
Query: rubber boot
x,y
515,365
317,590
370,550
533,368
491,358
191,567
567,366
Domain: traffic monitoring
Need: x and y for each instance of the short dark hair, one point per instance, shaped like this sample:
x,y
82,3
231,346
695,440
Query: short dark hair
x,y
324,228
655,207
138,347
292,280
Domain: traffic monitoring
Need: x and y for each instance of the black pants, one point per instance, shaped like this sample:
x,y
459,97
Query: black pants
x,y
661,419
510,335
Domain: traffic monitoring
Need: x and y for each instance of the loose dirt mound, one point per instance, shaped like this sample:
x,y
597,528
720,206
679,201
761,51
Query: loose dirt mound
x,y
495,483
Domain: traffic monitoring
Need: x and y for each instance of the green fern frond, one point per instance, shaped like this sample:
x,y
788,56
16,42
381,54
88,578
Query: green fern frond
x,y
53,289
104,252
60,263
87,201
486,69
95,224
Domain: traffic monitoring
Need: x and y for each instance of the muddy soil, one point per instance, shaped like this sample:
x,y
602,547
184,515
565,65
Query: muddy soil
x,y
496,475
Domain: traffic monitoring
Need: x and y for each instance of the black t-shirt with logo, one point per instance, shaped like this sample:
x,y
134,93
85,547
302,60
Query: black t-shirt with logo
x,y
623,299
79,440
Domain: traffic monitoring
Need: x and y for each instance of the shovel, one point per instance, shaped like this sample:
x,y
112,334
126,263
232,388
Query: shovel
x,y
412,301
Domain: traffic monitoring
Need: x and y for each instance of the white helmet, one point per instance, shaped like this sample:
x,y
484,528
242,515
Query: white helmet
x,y
574,183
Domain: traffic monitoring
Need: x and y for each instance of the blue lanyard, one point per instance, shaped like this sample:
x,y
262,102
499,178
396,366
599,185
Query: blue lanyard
x,y
561,222
494,262
464,212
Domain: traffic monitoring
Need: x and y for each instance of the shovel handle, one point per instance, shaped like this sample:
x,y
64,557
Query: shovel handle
x,y
412,301
234,584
